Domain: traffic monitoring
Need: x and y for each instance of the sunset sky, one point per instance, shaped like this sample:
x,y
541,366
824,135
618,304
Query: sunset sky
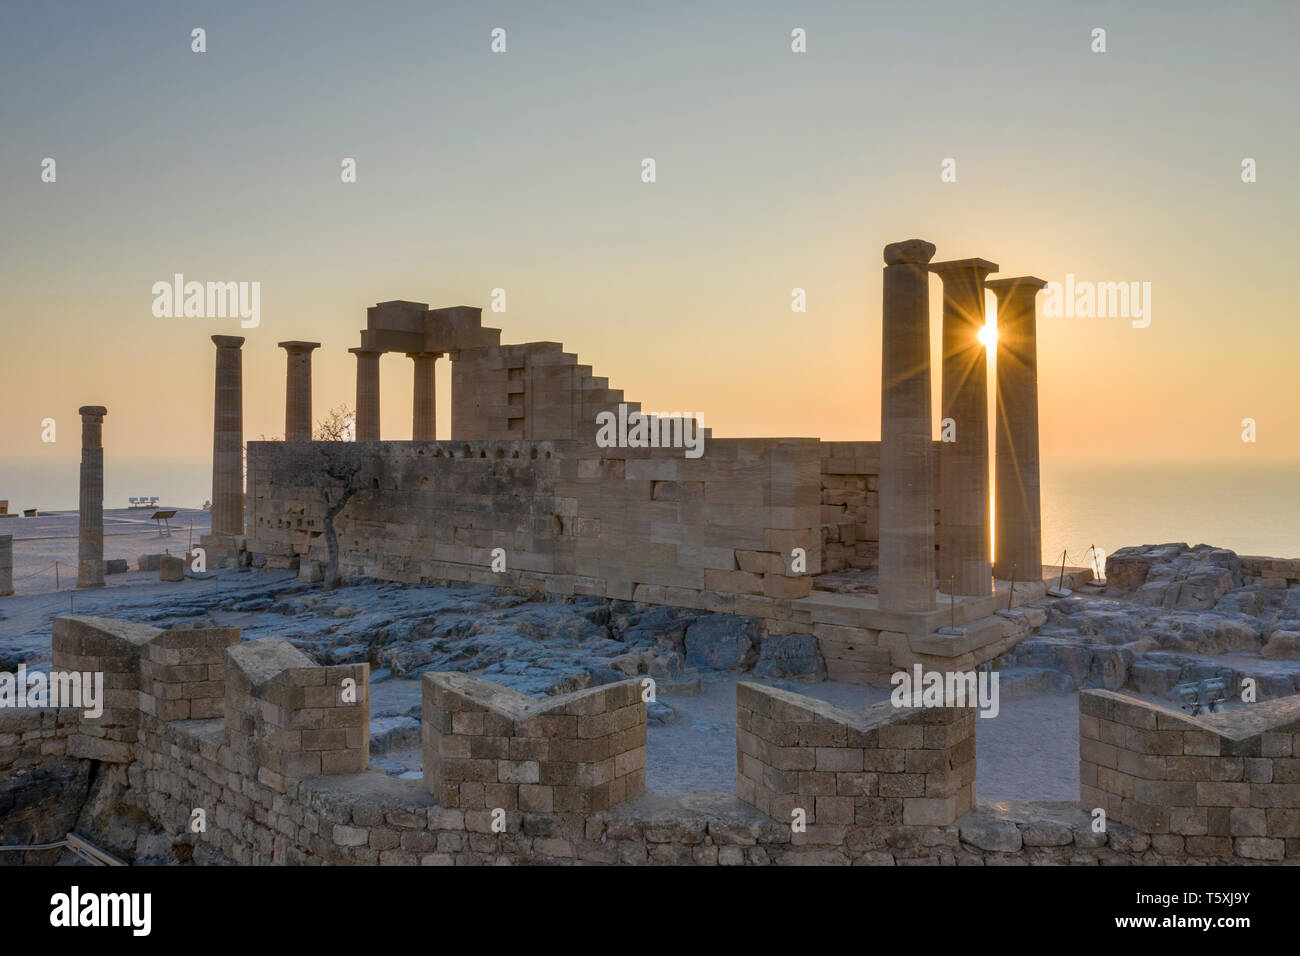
x,y
775,170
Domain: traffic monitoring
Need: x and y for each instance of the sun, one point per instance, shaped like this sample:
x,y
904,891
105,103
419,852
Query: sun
x,y
988,335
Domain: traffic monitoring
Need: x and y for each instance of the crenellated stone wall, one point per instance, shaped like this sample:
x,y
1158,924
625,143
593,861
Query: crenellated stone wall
x,y
883,766
114,649
1219,785
183,673
288,718
887,786
487,747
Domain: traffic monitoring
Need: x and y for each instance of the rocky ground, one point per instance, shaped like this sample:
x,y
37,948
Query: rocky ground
x,y
1169,614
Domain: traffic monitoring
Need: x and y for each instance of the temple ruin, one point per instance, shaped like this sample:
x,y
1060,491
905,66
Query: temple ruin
x,y
746,528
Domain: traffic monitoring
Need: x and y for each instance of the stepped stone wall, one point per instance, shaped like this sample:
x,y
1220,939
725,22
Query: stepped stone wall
x,y
532,391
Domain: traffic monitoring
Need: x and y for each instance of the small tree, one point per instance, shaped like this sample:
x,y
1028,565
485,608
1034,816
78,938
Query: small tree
x,y
339,425
333,473
339,478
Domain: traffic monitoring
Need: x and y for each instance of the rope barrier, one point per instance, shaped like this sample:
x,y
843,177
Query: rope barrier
x,y
30,574
35,846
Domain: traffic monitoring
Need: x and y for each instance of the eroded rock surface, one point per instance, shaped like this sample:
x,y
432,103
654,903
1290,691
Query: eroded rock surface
x,y
1172,614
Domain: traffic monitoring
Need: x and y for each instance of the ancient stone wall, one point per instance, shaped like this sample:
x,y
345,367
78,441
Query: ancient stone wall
x,y
886,787
289,718
41,788
114,649
884,766
487,747
712,533
183,673
850,514
1218,785
530,391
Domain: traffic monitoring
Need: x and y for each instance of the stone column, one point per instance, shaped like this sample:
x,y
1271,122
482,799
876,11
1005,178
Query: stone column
x,y
228,438
6,565
90,536
1019,538
367,393
424,404
297,390
964,553
906,458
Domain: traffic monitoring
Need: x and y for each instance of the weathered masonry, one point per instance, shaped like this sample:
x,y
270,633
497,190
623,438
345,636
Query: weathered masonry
x,y
274,751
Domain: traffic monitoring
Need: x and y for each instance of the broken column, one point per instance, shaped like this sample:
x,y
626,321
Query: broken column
x,y
424,405
367,393
297,390
965,565
90,509
906,478
1018,542
228,438
6,565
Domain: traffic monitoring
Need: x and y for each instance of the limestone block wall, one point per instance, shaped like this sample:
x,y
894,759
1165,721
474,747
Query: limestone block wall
x,y
850,513
183,673
488,747
850,504
288,718
885,766
1218,785
115,649
713,533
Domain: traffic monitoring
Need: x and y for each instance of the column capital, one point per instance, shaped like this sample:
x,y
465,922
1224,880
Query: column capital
x,y
92,411
228,341
422,355
363,350
1016,284
297,348
958,265
909,251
